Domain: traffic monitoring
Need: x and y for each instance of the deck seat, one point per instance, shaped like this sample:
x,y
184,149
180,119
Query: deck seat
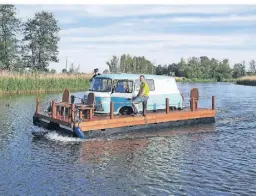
x,y
194,94
65,103
87,109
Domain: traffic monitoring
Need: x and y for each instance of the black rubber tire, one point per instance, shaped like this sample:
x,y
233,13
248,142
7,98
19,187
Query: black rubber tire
x,y
126,111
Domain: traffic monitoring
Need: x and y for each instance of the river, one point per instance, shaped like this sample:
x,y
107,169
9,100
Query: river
x,y
216,159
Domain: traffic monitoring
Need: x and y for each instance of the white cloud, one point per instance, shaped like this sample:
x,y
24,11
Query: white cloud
x,y
89,58
89,54
133,10
172,39
68,21
92,46
136,10
206,19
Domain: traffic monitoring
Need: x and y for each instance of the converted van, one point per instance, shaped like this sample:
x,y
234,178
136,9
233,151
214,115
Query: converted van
x,y
121,88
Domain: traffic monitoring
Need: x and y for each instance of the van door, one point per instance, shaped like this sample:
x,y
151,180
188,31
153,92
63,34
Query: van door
x,y
121,92
152,103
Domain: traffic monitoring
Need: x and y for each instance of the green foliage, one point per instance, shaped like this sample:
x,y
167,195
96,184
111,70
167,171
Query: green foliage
x,y
201,68
41,41
73,69
129,64
52,71
113,65
238,70
39,83
64,71
9,44
253,66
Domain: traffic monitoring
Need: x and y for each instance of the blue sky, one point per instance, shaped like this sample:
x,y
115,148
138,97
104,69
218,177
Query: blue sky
x,y
92,34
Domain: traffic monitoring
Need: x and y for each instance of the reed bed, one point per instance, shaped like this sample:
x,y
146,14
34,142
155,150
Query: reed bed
x,y
14,83
247,80
194,80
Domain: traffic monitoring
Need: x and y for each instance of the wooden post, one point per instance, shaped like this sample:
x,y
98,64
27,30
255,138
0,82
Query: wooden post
x,y
192,104
80,114
196,104
90,114
58,111
37,105
53,109
63,112
213,103
72,112
167,109
111,110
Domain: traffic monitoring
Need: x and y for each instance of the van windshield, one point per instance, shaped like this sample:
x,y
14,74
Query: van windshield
x,y
101,85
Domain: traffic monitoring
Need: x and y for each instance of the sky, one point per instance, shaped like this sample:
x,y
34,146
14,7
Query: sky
x,y
91,34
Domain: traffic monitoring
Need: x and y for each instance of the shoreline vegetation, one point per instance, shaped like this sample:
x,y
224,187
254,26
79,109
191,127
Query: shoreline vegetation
x,y
36,83
247,80
33,83
25,60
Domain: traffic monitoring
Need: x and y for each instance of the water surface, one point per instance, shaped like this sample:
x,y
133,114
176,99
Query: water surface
x,y
217,159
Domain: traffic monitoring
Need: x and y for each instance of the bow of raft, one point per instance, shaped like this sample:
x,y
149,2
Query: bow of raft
x,y
83,123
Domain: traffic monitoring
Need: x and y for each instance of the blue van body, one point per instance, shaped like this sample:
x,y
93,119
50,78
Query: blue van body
x,y
120,88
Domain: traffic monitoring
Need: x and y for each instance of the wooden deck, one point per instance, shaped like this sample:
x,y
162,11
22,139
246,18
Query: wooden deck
x,y
112,121
98,123
105,122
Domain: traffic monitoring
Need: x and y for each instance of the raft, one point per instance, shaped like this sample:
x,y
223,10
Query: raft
x,y
80,120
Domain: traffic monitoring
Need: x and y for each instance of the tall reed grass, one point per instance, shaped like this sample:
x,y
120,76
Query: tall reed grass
x,y
14,83
192,80
247,80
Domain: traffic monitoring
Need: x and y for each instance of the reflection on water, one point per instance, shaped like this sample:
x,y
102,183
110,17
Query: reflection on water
x,y
216,159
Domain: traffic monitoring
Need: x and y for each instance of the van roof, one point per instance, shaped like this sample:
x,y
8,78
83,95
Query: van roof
x,y
132,76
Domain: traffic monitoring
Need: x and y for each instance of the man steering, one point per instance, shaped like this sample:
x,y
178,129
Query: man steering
x,y
142,96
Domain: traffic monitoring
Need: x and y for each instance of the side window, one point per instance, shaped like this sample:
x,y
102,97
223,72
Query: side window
x,y
123,86
150,82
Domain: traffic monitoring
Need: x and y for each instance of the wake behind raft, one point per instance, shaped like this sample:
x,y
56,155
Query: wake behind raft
x,y
80,119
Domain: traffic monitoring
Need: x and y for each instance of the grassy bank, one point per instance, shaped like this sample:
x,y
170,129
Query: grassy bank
x,y
247,80
182,79
42,83
197,80
13,83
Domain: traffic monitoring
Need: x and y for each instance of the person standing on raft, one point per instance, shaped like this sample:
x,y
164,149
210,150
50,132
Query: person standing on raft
x,y
96,73
142,96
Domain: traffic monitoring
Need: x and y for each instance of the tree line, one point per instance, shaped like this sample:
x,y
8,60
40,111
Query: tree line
x,y
31,44
129,64
194,67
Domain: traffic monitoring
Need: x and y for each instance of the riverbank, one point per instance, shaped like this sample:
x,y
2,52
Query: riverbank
x,y
13,83
247,80
197,80
42,83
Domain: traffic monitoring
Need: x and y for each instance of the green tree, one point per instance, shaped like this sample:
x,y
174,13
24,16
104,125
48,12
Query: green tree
x,y
128,63
9,44
122,63
238,70
181,68
105,71
205,65
253,66
223,71
113,64
41,38
53,71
